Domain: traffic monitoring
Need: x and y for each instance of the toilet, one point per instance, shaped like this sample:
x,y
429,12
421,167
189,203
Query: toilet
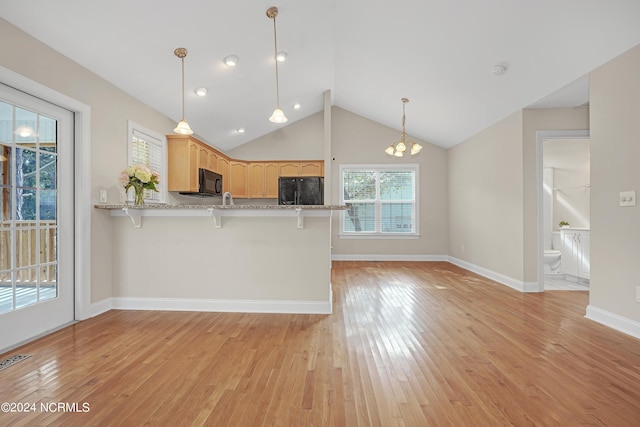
x,y
553,256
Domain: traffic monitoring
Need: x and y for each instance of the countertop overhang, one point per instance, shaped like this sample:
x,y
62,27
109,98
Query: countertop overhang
x,y
216,212
225,207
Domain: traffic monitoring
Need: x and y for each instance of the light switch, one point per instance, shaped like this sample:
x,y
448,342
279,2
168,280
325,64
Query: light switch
x,y
627,198
103,196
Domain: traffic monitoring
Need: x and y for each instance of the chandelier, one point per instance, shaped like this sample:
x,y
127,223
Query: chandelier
x,y
398,149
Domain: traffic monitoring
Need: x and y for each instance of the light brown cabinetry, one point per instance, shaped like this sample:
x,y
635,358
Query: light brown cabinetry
x,y
212,163
305,168
203,158
238,179
288,169
183,163
311,169
263,180
223,169
243,179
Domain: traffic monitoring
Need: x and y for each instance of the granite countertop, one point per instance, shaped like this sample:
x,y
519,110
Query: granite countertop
x,y
230,207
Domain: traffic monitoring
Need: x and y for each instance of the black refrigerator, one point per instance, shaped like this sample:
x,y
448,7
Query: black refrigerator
x,y
307,190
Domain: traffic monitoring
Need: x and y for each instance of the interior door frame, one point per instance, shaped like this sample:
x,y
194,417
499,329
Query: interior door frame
x,y
81,181
541,136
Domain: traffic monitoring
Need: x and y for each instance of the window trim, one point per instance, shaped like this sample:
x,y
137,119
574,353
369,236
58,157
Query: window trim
x,y
414,167
162,142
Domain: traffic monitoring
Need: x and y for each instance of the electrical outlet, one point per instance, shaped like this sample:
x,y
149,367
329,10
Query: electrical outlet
x,y
627,198
103,196
637,293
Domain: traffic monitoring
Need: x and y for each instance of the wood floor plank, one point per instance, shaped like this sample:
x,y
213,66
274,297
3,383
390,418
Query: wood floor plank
x,y
408,344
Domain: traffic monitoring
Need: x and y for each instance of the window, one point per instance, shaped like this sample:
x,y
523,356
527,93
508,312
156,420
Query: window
x,y
381,200
148,148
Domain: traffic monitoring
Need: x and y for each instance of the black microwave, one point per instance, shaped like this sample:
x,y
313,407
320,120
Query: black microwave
x,y
209,184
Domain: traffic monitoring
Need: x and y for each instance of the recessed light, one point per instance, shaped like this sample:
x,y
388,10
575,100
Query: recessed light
x,y
240,130
24,131
499,70
297,106
201,91
281,56
231,60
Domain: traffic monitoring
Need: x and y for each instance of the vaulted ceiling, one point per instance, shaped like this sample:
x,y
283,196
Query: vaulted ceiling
x,y
440,54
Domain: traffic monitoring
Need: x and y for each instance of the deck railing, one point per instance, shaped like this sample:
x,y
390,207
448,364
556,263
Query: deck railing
x,y
35,261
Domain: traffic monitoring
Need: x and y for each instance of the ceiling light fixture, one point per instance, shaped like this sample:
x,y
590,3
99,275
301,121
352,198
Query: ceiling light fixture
x,y
278,115
24,131
499,70
240,130
281,56
201,91
231,60
296,106
397,149
183,127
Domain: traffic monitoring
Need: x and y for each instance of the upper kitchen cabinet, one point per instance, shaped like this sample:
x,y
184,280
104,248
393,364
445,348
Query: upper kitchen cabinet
x,y
263,180
311,168
212,163
203,157
244,179
301,168
183,163
186,155
238,179
223,169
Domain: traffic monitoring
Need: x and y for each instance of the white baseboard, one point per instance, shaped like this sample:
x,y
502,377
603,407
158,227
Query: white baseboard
x,y
369,257
500,278
100,307
215,305
614,321
518,285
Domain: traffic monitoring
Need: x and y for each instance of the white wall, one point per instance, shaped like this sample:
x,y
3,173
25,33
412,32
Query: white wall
x,y
301,140
357,140
615,155
110,110
485,199
249,259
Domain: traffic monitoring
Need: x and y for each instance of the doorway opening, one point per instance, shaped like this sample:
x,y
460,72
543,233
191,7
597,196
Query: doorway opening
x,y
563,210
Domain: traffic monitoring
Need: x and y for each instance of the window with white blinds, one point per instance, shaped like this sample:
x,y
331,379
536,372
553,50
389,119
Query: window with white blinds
x,y
148,148
382,200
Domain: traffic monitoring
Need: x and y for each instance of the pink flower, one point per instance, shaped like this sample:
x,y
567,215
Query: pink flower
x,y
124,177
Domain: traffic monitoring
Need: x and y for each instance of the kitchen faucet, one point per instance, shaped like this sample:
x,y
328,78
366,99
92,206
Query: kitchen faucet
x,y
224,199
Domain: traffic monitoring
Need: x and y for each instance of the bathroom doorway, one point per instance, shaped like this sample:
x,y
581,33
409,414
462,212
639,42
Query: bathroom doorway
x,y
563,210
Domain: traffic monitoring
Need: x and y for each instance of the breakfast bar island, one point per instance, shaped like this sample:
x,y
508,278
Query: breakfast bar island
x,y
232,258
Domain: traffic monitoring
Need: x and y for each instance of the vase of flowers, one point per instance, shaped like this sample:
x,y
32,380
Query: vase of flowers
x,y
140,178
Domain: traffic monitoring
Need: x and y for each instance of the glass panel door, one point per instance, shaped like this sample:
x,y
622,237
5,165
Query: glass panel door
x,y
30,213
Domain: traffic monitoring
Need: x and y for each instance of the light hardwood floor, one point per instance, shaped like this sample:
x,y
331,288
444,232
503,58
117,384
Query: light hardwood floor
x,y
408,344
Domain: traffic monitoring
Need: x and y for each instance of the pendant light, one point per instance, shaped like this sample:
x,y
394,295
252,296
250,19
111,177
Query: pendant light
x,y
278,115
183,127
398,149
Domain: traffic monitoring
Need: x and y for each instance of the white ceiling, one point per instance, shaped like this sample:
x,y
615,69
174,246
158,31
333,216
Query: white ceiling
x,y
370,53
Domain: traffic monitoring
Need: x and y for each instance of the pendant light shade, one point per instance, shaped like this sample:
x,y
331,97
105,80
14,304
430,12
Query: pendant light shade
x,y
397,149
183,127
278,115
